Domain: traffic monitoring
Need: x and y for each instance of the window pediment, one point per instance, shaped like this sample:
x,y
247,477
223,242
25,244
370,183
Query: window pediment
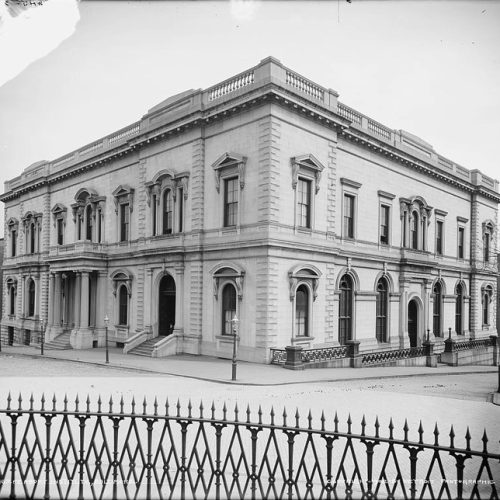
x,y
227,272
307,162
123,194
59,211
167,179
303,273
122,277
226,161
12,224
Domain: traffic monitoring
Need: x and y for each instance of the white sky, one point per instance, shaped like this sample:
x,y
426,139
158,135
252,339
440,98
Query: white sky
x,y
429,67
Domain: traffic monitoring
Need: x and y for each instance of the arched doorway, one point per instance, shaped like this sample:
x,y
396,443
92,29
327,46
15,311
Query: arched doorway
x,y
166,306
413,322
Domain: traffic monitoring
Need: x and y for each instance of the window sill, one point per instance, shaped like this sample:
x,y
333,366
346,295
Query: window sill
x,y
302,339
227,338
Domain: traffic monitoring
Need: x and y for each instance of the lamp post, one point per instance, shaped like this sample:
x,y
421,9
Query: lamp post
x,y
106,322
42,336
235,322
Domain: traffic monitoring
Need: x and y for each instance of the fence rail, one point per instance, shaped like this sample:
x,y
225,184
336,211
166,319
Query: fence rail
x,y
100,450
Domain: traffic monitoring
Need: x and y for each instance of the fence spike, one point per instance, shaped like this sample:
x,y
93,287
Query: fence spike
x,y
20,400
190,406
144,406
65,401
88,403
167,406
111,403
309,419
178,406
272,415
452,437
336,422
484,439
297,417
391,428
77,403
236,411
54,401
133,405
9,399
201,408
467,439
377,426
42,400
155,406
322,420
121,404
248,413
436,435
260,414
420,433
363,425
99,403
349,422
406,429
224,411
32,400
212,408
284,417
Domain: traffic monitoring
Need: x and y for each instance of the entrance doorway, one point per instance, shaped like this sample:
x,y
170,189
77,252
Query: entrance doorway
x,y
10,333
413,322
166,306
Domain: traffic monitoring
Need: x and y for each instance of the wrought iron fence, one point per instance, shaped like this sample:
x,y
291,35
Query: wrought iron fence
x,y
100,451
373,358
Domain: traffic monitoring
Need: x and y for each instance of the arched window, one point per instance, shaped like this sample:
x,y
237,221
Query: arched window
x,y
167,212
382,308
487,294
414,230
123,306
32,237
436,309
228,308
12,308
302,311
459,306
345,309
88,218
31,298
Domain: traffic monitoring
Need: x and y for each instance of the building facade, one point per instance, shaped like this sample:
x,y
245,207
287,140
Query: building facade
x,y
262,197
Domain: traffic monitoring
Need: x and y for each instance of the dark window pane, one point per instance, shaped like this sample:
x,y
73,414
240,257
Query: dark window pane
x,y
348,216
228,309
302,311
123,306
230,202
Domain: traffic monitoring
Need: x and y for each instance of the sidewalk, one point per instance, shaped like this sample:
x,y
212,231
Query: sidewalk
x,y
219,370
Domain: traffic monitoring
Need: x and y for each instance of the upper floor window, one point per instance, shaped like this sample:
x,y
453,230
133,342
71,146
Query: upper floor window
x,y
12,228
488,230
384,224
439,237
461,243
230,202
32,227
486,298
348,216
123,197
415,217
349,207
168,211
304,203
87,215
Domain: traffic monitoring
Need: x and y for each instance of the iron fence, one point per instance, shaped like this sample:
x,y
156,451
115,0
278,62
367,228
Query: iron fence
x,y
103,451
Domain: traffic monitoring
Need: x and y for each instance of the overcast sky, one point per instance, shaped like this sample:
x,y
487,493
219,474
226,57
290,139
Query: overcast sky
x,y
429,67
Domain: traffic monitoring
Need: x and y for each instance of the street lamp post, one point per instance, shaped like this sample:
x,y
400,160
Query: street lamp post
x,y
42,336
235,322
106,322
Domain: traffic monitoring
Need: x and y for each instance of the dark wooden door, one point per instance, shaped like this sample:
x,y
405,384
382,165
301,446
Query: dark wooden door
x,y
166,312
413,323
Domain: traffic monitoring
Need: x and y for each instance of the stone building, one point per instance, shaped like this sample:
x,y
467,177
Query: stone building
x,y
262,197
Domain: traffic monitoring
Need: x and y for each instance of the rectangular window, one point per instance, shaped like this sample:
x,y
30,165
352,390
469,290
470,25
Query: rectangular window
x,y
13,236
348,216
124,221
439,237
230,202
304,203
153,214
384,224
461,240
486,247
60,232
181,209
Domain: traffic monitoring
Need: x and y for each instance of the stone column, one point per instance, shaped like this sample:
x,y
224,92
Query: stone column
x,y
102,301
84,300
23,295
403,316
179,298
147,299
57,302
37,296
77,301
50,318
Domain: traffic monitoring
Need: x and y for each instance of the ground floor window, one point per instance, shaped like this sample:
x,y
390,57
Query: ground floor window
x,y
382,307
345,309
228,308
302,311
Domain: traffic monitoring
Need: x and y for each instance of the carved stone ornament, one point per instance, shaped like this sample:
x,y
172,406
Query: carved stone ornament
x,y
226,161
307,163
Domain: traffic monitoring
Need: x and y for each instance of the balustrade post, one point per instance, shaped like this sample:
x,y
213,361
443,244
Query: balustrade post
x,y
494,344
294,357
430,357
353,353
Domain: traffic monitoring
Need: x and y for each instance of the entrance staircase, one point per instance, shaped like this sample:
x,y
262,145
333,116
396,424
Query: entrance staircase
x,y
146,348
60,342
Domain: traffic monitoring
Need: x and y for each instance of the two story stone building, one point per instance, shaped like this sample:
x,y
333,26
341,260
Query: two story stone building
x,y
262,197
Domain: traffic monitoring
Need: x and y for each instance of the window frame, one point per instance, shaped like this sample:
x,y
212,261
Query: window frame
x,y
224,322
231,209
123,195
382,311
350,190
124,222
437,309
123,305
346,320
302,180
